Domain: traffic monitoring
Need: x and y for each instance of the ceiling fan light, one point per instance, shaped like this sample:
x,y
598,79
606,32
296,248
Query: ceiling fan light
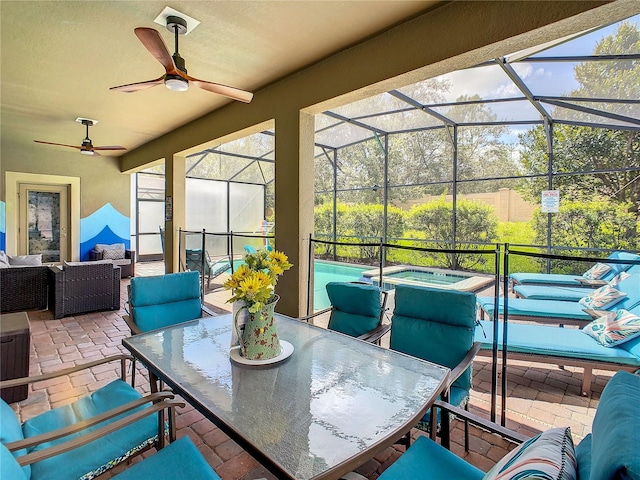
x,y
87,152
177,84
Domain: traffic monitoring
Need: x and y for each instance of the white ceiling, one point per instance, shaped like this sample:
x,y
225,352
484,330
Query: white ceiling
x,y
58,60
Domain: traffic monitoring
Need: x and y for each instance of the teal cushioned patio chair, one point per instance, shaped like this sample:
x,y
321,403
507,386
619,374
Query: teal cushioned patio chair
x,y
573,280
609,452
199,261
438,325
562,292
180,460
357,309
90,435
558,311
163,300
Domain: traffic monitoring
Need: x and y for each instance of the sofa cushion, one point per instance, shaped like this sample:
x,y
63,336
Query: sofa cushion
x,y
4,260
114,252
11,431
548,455
614,328
604,297
597,271
25,260
9,467
583,456
616,430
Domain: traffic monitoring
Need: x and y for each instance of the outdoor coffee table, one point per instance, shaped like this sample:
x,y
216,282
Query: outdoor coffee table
x,y
332,405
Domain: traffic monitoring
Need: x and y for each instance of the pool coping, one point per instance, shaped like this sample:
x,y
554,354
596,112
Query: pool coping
x,y
473,283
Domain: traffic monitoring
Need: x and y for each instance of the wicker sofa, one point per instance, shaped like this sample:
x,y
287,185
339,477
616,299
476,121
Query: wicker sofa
x,y
23,288
127,264
81,287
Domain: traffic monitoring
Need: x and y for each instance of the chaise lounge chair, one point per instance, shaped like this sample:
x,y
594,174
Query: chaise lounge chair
x,y
575,280
557,311
567,293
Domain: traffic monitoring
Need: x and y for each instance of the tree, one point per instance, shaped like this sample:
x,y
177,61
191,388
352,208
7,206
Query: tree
x,y
596,151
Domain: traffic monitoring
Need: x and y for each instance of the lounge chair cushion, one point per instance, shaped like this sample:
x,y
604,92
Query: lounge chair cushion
x,y
583,455
604,297
11,431
614,328
550,454
427,459
164,300
99,455
180,460
616,430
597,271
541,340
356,307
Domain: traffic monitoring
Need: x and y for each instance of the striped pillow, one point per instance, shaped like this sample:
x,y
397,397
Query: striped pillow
x,y
604,297
614,328
618,278
597,271
547,456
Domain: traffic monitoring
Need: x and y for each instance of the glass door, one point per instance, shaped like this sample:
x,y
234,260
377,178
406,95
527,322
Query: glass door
x,y
44,221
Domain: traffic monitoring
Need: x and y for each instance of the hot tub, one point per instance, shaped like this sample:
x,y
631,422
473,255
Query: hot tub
x,y
429,277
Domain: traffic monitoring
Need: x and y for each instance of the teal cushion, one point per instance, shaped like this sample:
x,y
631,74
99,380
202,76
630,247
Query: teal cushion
x,y
180,460
616,430
164,300
101,454
356,307
11,431
436,325
620,267
583,457
9,467
426,459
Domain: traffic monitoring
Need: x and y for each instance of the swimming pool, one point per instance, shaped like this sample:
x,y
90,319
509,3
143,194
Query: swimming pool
x,y
429,277
323,273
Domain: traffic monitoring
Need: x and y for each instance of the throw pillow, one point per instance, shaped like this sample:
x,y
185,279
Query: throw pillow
x,y
604,297
4,260
614,328
597,271
112,252
618,278
548,455
23,260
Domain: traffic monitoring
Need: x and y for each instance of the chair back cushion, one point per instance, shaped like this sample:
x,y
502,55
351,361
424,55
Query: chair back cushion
x,y
630,286
11,431
9,467
164,300
616,429
434,324
356,307
100,455
619,267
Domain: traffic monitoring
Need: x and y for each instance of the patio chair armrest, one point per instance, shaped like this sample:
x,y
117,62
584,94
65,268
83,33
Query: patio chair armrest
x,y
47,376
376,334
135,330
208,311
465,362
98,433
79,426
95,255
309,317
481,422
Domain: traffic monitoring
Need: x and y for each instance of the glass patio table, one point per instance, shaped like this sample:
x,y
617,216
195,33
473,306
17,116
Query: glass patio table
x,y
332,405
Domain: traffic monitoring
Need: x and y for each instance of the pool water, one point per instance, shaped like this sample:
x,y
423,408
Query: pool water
x,y
433,278
325,272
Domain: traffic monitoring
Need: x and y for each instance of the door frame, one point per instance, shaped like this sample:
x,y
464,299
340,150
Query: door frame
x,y
13,181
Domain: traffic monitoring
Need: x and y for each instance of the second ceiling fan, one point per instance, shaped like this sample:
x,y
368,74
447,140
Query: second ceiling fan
x,y
176,77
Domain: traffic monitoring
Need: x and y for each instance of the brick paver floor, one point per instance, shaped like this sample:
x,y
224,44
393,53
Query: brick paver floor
x,y
539,396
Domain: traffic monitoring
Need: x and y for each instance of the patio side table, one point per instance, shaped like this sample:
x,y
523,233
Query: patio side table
x,y
14,353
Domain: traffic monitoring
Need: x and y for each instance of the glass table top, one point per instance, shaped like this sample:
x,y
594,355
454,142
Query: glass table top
x,y
334,400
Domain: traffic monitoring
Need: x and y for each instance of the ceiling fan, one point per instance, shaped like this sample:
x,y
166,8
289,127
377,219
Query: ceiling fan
x,y
87,147
175,77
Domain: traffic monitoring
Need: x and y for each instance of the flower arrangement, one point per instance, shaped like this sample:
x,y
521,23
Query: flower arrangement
x,y
254,281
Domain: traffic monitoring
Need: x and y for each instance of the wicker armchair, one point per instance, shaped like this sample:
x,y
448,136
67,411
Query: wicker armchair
x,y
23,288
82,287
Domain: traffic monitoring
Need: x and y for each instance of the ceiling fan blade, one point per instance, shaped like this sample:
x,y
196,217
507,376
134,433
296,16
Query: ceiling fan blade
x,y
109,147
135,87
231,92
58,144
152,41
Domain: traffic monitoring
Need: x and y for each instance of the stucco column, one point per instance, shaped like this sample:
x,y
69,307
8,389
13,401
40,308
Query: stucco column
x,y
294,205
175,201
